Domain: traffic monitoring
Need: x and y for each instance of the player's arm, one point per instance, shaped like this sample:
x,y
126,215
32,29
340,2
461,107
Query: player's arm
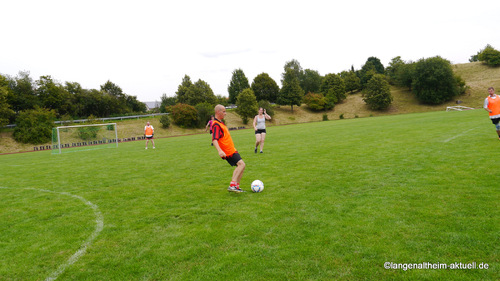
x,y
268,117
219,150
216,135
254,123
486,105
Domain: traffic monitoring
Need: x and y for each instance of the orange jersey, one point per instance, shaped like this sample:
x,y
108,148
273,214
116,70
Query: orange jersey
x,y
148,131
494,105
220,133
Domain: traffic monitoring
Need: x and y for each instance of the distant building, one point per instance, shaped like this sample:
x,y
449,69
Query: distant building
x,y
152,105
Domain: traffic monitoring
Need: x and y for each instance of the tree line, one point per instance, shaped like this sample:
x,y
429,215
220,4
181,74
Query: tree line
x,y
431,80
68,100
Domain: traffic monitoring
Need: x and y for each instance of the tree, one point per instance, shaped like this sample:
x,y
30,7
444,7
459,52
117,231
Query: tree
x,y
291,93
392,69
54,96
135,105
315,102
182,89
5,112
434,81
238,83
116,99
294,65
205,110
247,105
34,125
201,92
351,80
490,56
166,101
265,88
378,93
379,67
370,68
333,88
311,81
404,75
23,95
193,94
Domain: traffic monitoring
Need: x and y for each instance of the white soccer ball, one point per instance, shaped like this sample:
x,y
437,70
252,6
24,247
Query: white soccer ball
x,y
257,186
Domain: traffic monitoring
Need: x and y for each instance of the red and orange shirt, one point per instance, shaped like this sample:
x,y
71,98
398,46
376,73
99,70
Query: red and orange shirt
x,y
220,133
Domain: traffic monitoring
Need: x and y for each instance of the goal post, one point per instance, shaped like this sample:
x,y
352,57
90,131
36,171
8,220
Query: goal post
x,y
84,137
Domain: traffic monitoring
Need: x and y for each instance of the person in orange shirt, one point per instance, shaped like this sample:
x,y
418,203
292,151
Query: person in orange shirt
x,y
149,132
225,147
492,105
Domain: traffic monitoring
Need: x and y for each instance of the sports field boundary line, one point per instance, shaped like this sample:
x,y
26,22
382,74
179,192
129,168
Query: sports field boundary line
x,y
99,220
457,136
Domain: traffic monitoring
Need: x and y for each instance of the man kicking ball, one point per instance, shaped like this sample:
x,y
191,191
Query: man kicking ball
x,y
224,144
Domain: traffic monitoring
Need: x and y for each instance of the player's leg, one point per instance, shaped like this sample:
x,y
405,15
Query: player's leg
x,y
257,141
153,142
262,139
238,171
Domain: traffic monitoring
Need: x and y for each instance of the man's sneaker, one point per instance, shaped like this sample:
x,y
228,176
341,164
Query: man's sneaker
x,y
235,189
146,148
256,150
261,151
153,147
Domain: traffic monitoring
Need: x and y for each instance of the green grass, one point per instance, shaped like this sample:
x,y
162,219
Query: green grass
x,y
340,199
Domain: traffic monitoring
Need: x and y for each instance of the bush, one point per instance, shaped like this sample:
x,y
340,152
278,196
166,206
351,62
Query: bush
x,y
88,133
34,125
378,93
184,115
165,121
325,117
490,56
315,102
434,81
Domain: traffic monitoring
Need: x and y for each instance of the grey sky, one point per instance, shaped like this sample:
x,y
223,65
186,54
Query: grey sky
x,y
146,47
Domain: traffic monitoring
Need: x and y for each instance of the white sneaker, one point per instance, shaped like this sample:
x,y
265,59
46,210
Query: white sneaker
x,y
153,147
146,148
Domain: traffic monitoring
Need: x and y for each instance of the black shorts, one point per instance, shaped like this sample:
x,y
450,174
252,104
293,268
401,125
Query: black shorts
x,y
149,138
233,159
495,120
260,131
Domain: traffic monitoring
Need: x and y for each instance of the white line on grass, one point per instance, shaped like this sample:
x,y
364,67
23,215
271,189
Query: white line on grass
x,y
99,220
459,135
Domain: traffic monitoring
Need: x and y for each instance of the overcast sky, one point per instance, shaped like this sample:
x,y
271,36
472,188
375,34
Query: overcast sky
x,y
146,47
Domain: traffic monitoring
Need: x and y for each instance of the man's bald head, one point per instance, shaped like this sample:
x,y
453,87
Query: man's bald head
x,y
220,111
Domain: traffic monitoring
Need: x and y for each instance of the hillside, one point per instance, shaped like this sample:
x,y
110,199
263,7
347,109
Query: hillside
x,y
477,76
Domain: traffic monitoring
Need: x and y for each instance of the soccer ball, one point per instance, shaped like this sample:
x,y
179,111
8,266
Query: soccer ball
x,y
257,186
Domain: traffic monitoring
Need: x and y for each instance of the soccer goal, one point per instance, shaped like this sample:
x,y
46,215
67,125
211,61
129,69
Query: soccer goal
x,y
84,137
458,108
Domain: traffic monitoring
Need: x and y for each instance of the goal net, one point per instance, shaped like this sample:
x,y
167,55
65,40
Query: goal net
x,y
458,108
84,137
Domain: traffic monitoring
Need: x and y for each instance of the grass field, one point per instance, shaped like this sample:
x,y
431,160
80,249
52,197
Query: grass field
x,y
341,199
